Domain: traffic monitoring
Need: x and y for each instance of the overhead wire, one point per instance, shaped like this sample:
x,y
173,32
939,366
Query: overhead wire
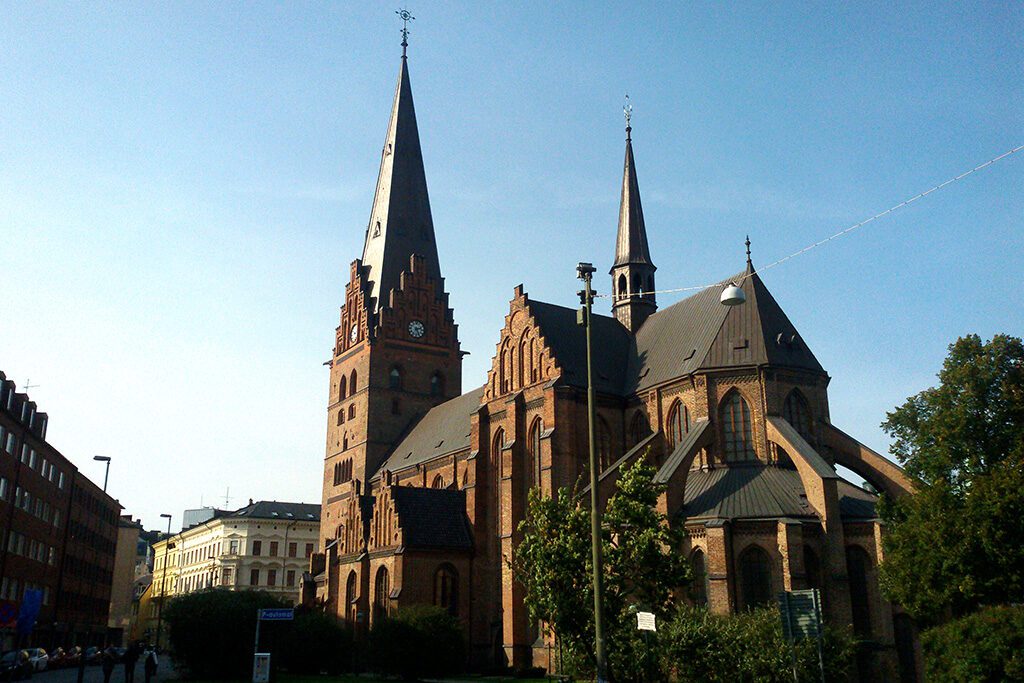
x,y
844,231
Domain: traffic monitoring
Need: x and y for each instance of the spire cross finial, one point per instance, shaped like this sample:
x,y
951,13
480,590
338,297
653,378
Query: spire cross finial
x,y
748,249
627,110
406,17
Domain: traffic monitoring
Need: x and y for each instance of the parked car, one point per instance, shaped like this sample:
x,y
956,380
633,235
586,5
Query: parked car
x,y
71,657
93,655
14,666
119,653
38,658
57,656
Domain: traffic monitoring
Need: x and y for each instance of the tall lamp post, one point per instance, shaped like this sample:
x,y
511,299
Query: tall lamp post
x,y
585,271
106,459
163,580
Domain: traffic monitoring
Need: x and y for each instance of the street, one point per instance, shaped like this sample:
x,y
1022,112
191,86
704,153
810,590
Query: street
x,y
94,674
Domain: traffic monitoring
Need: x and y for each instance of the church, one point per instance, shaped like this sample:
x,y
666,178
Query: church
x,y
425,481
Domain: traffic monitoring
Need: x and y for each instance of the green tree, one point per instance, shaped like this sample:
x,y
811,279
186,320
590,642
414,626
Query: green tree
x,y
419,641
642,569
955,543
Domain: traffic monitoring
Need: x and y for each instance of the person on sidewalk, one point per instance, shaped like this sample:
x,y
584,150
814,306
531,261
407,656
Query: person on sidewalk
x,y
150,663
108,659
131,656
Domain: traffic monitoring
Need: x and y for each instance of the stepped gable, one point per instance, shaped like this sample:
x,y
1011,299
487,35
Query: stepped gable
x,y
432,518
444,429
568,345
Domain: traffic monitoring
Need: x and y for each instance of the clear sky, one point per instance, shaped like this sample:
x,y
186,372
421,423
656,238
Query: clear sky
x,y
183,186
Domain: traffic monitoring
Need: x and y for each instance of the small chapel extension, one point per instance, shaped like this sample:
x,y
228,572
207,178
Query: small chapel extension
x,y
424,486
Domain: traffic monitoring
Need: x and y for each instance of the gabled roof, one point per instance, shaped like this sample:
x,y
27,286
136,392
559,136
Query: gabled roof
x,y
432,518
568,344
631,242
272,509
400,221
444,429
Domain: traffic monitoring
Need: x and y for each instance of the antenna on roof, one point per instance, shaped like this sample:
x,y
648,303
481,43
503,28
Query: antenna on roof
x,y
227,497
28,386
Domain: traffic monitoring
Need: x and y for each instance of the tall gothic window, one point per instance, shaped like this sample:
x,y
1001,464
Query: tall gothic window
x,y
623,287
638,428
678,423
755,577
352,383
812,567
395,378
350,596
699,587
497,445
438,482
533,445
798,413
858,568
381,593
604,444
436,384
738,435
446,589
342,387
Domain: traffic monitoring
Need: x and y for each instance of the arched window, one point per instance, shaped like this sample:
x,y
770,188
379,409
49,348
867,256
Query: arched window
x,y
533,451
738,443
678,423
342,387
650,283
497,445
638,428
446,589
381,593
350,596
699,587
438,482
352,383
858,568
351,410
798,413
395,378
437,384
337,473
623,287
504,364
638,287
604,444
341,416
344,443
812,567
755,577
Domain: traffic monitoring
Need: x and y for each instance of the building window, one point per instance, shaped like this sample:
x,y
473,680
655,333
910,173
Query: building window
x,y
699,586
497,445
257,548
227,576
350,596
342,387
533,443
438,482
254,577
446,589
797,413
395,378
738,436
233,547
309,550
755,577
290,578
352,383
381,593
678,423
341,416
858,568
436,384
273,548
352,411
271,577
293,549
604,444
639,428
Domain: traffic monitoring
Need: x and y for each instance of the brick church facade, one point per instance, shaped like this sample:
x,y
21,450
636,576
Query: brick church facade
x,y
424,485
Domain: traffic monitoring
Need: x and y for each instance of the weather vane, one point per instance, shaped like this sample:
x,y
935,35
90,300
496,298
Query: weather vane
x,y
627,110
406,17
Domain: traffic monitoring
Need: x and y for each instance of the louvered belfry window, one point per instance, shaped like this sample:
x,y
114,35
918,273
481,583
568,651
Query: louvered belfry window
x,y
736,430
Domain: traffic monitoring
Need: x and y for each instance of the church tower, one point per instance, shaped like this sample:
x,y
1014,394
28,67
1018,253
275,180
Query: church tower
x,y
396,351
633,271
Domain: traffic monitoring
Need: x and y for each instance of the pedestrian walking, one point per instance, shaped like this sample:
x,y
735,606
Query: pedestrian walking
x,y
131,656
109,658
150,663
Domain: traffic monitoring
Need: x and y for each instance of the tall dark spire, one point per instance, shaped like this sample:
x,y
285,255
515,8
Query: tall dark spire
x,y
633,271
400,221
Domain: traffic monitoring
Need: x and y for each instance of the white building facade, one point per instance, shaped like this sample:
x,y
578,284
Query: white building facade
x,y
265,546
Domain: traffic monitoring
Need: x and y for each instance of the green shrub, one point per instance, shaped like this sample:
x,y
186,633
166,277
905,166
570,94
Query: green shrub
x,y
419,641
985,646
315,642
699,646
212,632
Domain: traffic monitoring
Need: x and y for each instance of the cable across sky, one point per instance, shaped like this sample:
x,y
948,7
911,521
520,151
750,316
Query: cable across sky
x,y
842,232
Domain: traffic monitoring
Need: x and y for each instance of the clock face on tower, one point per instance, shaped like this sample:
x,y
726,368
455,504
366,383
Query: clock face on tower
x,y
353,334
416,329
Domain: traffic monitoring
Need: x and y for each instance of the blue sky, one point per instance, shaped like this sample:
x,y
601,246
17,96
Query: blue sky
x,y
183,186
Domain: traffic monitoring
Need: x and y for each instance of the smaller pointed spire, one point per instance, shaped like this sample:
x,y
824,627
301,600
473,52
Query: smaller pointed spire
x,y
406,16
631,245
750,264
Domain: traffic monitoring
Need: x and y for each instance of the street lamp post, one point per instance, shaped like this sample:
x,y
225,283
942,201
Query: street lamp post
x,y
163,581
106,459
585,271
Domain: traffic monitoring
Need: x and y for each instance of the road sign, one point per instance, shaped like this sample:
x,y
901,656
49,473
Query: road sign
x,y
645,621
801,614
261,668
277,614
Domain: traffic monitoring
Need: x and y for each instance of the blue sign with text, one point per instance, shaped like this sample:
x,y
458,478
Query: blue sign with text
x,y
277,614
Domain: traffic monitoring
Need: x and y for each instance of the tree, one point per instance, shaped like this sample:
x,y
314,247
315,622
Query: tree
x,y
643,567
955,543
419,641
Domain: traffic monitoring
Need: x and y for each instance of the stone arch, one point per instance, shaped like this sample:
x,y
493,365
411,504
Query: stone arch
x,y
755,577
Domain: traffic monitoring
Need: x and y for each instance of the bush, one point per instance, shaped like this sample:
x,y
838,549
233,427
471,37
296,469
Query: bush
x,y
316,642
985,646
699,646
212,632
419,641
